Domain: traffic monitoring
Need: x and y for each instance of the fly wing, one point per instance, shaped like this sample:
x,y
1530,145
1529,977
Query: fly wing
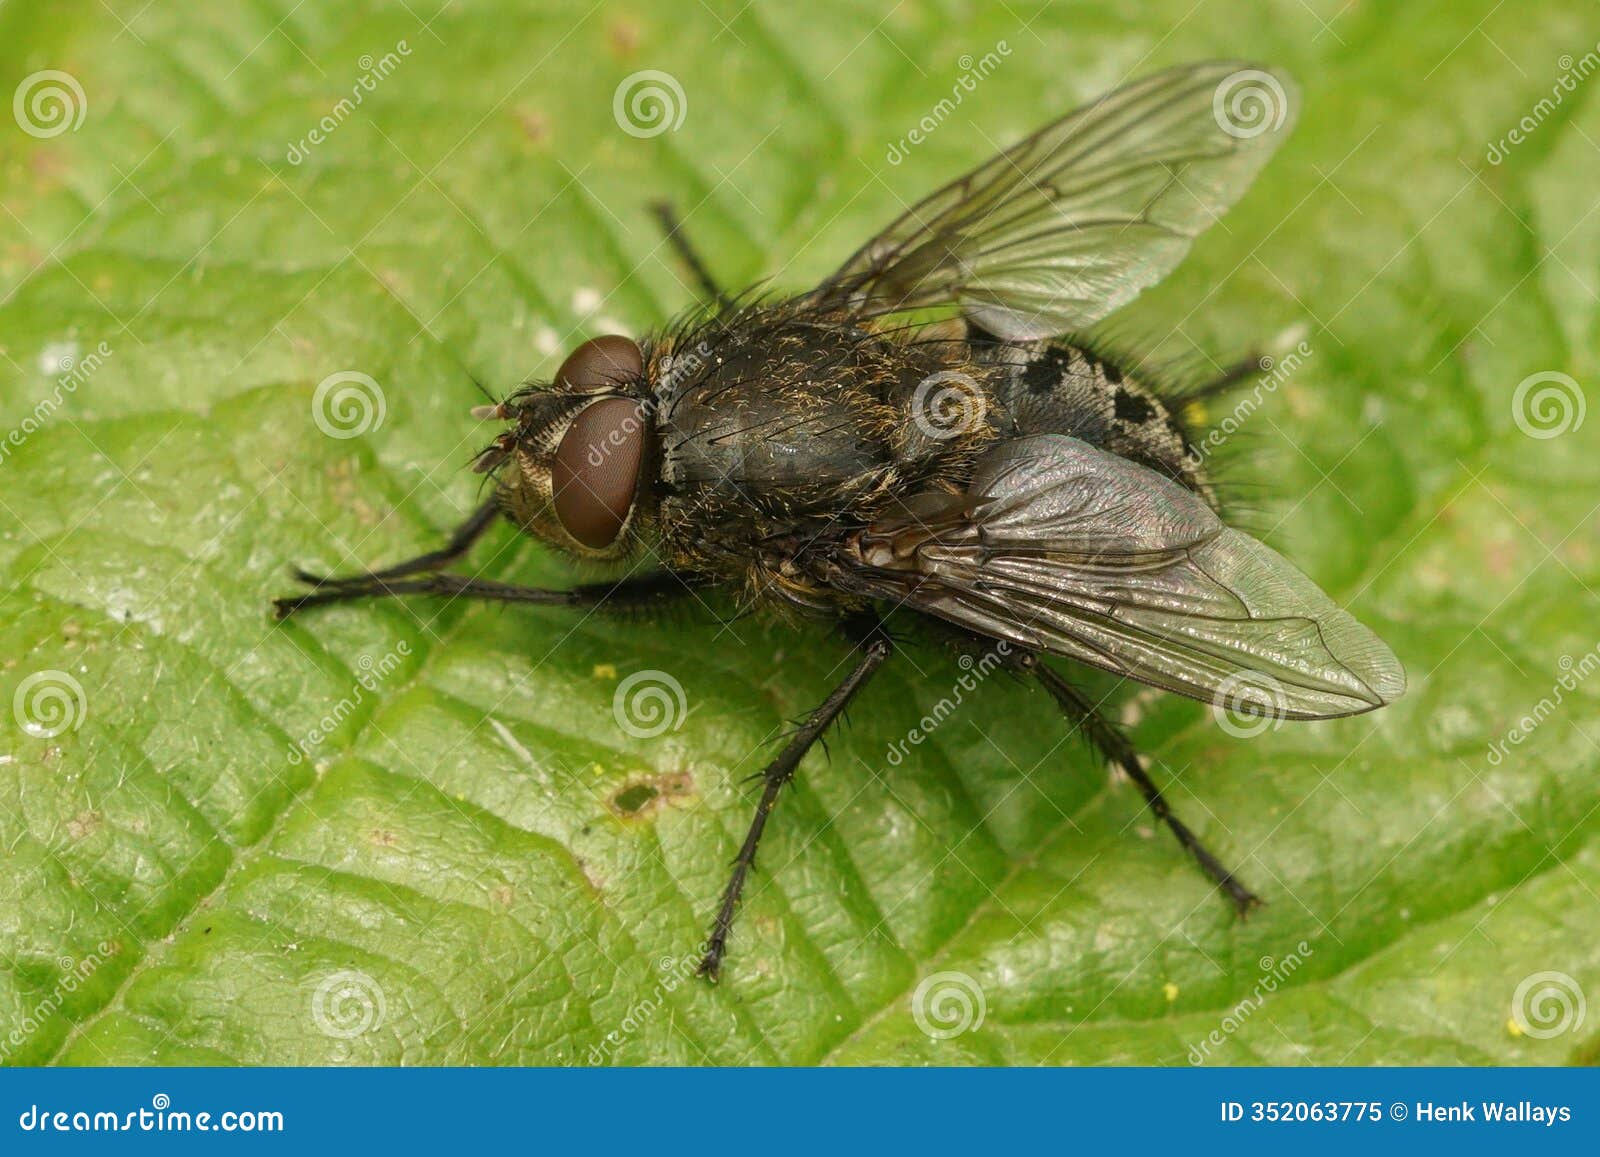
x,y
1072,223
1064,548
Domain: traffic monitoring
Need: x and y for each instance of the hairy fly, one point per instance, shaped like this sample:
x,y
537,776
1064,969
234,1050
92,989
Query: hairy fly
x,y
920,433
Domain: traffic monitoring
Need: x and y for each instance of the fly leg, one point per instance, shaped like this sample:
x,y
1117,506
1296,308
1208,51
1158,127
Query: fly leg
x,y
1114,746
673,228
461,540
1259,361
631,592
1229,377
874,645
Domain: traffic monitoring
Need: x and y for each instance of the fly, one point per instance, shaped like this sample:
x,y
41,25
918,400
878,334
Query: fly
x,y
919,433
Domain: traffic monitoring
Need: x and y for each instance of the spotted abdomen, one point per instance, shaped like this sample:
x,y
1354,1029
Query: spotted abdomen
x,y
1056,388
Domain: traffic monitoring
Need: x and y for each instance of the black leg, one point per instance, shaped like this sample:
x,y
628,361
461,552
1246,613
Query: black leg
x,y
1230,376
461,540
1114,746
673,228
645,589
868,635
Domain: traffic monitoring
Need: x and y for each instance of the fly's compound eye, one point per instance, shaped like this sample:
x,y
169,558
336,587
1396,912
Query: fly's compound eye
x,y
602,361
596,469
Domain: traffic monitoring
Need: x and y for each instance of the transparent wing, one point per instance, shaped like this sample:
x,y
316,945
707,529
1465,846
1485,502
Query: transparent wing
x,y
1070,224
1063,548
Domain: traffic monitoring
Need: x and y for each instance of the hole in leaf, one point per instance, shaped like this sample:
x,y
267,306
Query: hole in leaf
x,y
634,798
644,797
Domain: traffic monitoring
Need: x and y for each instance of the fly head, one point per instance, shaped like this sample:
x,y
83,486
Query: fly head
x,y
571,466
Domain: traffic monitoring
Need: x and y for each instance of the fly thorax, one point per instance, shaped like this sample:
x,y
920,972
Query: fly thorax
x,y
774,424
947,414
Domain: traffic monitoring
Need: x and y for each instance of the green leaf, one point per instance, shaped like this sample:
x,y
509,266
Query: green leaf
x,y
417,833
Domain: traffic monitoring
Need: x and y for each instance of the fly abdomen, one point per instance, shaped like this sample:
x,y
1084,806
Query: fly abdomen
x,y
1053,387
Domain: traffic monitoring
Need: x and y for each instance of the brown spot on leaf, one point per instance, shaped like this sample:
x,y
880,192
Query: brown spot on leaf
x,y
590,874
83,824
643,797
46,166
634,798
534,126
345,484
623,38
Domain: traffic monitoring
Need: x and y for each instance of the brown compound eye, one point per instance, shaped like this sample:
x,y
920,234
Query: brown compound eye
x,y
602,361
596,470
